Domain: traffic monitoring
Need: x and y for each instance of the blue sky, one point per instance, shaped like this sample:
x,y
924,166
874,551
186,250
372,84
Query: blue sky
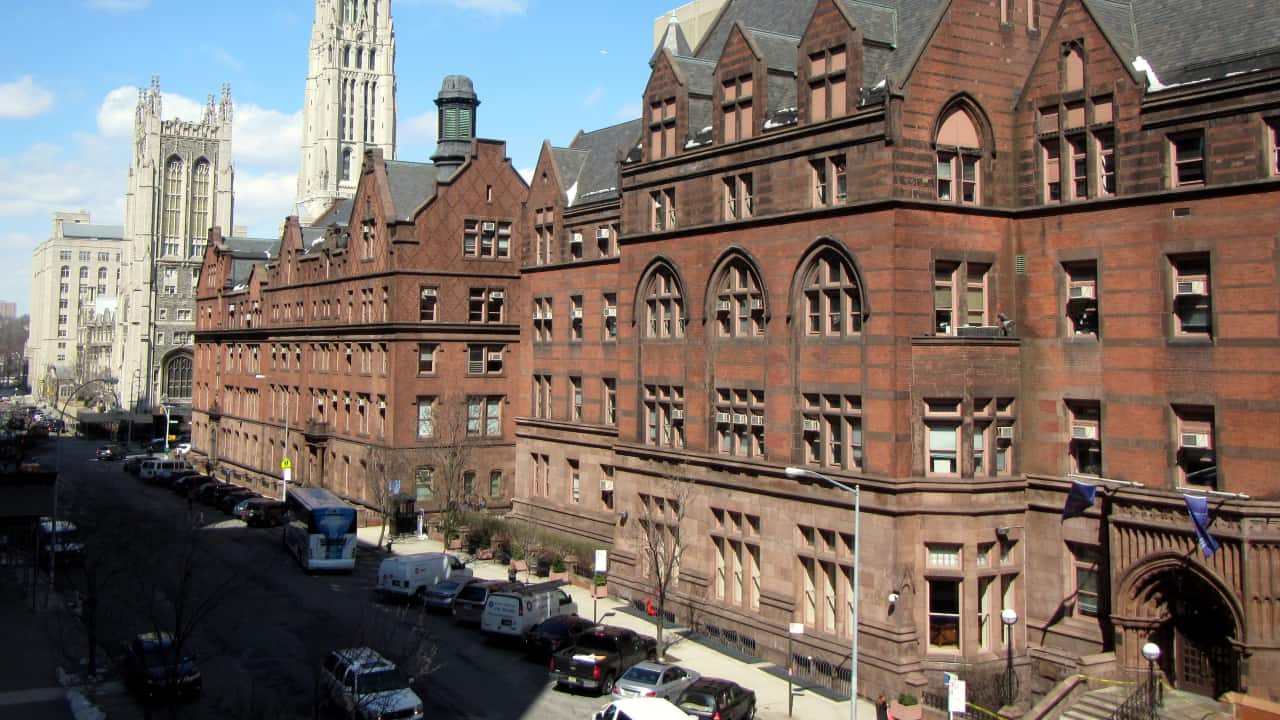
x,y
543,69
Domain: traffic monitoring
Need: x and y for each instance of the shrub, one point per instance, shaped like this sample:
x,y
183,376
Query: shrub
x,y
557,564
906,698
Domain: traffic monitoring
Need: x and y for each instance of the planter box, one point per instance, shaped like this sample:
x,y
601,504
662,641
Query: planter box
x,y
905,712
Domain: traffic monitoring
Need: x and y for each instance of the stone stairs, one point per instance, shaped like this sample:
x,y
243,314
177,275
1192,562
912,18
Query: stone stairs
x,y
1101,704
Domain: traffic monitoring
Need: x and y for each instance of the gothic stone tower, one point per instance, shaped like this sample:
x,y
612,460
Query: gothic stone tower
x,y
350,101
180,185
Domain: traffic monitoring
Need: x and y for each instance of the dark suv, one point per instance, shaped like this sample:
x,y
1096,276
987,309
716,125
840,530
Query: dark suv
x,y
709,698
468,606
264,512
152,667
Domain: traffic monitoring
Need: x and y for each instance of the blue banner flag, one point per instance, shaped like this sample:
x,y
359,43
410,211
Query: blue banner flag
x,y
1198,509
1079,499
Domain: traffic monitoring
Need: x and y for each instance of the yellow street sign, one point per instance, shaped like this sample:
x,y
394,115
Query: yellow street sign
x,y
285,464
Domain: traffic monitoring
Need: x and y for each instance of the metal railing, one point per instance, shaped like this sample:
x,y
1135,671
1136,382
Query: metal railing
x,y
816,671
1142,704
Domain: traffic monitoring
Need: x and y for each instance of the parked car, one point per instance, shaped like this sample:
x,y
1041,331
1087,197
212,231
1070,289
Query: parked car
x,y
709,698
406,576
367,686
190,482
509,613
468,606
133,463
153,667
601,655
58,542
641,708
439,597
263,512
109,452
180,449
555,633
211,493
654,679
229,501
170,478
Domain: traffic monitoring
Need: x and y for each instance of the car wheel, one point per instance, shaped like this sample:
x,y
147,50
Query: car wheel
x,y
606,685
751,712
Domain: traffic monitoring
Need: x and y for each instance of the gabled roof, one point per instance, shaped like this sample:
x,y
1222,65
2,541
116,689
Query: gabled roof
x,y
673,39
412,184
246,252
1184,41
589,166
339,213
779,50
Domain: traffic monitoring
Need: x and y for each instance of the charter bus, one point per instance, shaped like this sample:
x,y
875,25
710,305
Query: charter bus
x,y
320,530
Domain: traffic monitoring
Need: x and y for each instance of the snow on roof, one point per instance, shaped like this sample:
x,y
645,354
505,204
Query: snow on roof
x,y
1141,65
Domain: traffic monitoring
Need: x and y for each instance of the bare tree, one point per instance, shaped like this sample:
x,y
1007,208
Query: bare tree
x,y
658,530
526,544
450,457
386,466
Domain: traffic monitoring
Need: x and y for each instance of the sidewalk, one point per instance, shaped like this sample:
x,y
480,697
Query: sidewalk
x,y
770,688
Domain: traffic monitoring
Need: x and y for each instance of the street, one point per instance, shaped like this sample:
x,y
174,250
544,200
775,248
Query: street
x,y
260,625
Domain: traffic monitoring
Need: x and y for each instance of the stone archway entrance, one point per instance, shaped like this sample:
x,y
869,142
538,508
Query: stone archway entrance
x,y
1174,605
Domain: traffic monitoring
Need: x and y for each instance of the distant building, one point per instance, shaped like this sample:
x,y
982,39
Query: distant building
x,y
8,310
75,276
349,105
180,185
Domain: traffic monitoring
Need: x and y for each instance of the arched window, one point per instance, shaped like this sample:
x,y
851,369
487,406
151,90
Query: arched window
x,y
1072,69
66,272
177,377
663,306
739,309
346,56
959,152
199,207
832,298
102,274
84,273
171,230
346,164
373,54
359,58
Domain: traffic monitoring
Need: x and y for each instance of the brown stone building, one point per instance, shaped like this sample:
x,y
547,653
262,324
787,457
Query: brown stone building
x,y
956,253
376,337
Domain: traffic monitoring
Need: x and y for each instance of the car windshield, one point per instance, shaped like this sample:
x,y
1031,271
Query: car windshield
x,y
448,586
556,625
382,681
698,701
473,592
641,675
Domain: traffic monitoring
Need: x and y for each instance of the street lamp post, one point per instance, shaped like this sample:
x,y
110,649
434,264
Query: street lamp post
x,y
1009,617
1151,652
797,472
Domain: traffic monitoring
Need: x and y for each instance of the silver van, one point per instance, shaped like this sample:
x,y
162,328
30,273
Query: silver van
x,y
158,469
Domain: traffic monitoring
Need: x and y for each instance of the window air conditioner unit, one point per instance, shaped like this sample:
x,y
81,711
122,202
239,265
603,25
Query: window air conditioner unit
x,y
677,414
428,292
611,312
1082,292
575,239
488,227
1084,432
722,306
602,233
757,420
577,313
722,418
606,486
495,357
1004,432
757,303
1198,441
497,294
547,314
811,425
348,349
382,404
1191,287
739,419
536,314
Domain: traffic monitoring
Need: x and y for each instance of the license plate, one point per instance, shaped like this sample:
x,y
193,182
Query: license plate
x,y
507,623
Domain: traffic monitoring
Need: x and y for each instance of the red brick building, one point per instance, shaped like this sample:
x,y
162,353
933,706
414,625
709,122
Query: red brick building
x,y
377,336
956,254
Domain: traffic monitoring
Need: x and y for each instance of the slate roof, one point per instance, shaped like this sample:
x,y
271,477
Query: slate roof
x,y
89,230
1186,41
247,252
412,184
591,162
339,213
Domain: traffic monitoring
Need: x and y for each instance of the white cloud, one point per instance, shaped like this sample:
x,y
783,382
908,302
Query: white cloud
x,y
115,115
24,99
15,251
594,98
118,5
421,128
45,178
489,7
263,201
266,138
527,174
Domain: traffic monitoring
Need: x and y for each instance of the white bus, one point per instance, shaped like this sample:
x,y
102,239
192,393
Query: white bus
x,y
320,529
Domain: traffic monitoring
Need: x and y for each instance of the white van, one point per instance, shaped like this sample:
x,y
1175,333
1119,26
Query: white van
x,y
410,575
510,613
158,469
57,542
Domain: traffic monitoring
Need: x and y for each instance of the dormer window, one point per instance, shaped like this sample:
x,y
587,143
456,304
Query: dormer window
x,y
958,151
737,108
828,84
662,128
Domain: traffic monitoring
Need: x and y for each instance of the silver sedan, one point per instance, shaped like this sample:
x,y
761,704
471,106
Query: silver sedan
x,y
440,596
654,679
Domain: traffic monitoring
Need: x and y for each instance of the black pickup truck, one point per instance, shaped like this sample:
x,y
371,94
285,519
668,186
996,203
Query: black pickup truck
x,y
601,654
